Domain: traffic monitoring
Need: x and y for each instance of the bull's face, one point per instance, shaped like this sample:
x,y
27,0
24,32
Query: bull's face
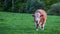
x,y
37,17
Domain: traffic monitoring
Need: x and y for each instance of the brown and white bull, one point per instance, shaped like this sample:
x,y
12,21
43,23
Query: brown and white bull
x,y
40,17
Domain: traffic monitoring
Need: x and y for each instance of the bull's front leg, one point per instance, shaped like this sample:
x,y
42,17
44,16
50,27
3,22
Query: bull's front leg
x,y
36,25
42,25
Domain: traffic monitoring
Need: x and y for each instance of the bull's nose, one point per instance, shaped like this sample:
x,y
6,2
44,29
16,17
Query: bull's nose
x,y
36,21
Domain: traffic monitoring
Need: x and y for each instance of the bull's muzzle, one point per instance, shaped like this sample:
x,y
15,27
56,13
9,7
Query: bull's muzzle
x,y
36,22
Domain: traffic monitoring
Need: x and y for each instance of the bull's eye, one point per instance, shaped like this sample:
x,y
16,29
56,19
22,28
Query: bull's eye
x,y
37,16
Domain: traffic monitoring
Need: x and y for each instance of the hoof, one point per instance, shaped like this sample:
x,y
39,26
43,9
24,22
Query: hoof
x,y
36,29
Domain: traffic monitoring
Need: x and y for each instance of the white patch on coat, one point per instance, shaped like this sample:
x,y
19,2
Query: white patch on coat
x,y
37,16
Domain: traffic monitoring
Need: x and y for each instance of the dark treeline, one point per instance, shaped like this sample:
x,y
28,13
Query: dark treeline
x,y
29,6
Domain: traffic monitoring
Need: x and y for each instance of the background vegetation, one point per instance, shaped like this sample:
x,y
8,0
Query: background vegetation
x,y
29,6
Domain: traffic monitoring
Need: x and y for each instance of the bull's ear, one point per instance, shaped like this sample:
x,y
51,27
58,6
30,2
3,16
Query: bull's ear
x,y
41,15
33,15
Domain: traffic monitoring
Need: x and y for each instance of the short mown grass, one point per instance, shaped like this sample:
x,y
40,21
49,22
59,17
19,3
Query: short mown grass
x,y
16,23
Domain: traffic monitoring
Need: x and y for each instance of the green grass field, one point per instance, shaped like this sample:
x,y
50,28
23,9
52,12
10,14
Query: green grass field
x,y
16,23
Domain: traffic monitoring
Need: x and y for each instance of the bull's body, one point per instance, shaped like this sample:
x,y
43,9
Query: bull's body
x,y
40,17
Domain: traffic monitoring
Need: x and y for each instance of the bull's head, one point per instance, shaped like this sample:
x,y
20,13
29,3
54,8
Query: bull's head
x,y
37,17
